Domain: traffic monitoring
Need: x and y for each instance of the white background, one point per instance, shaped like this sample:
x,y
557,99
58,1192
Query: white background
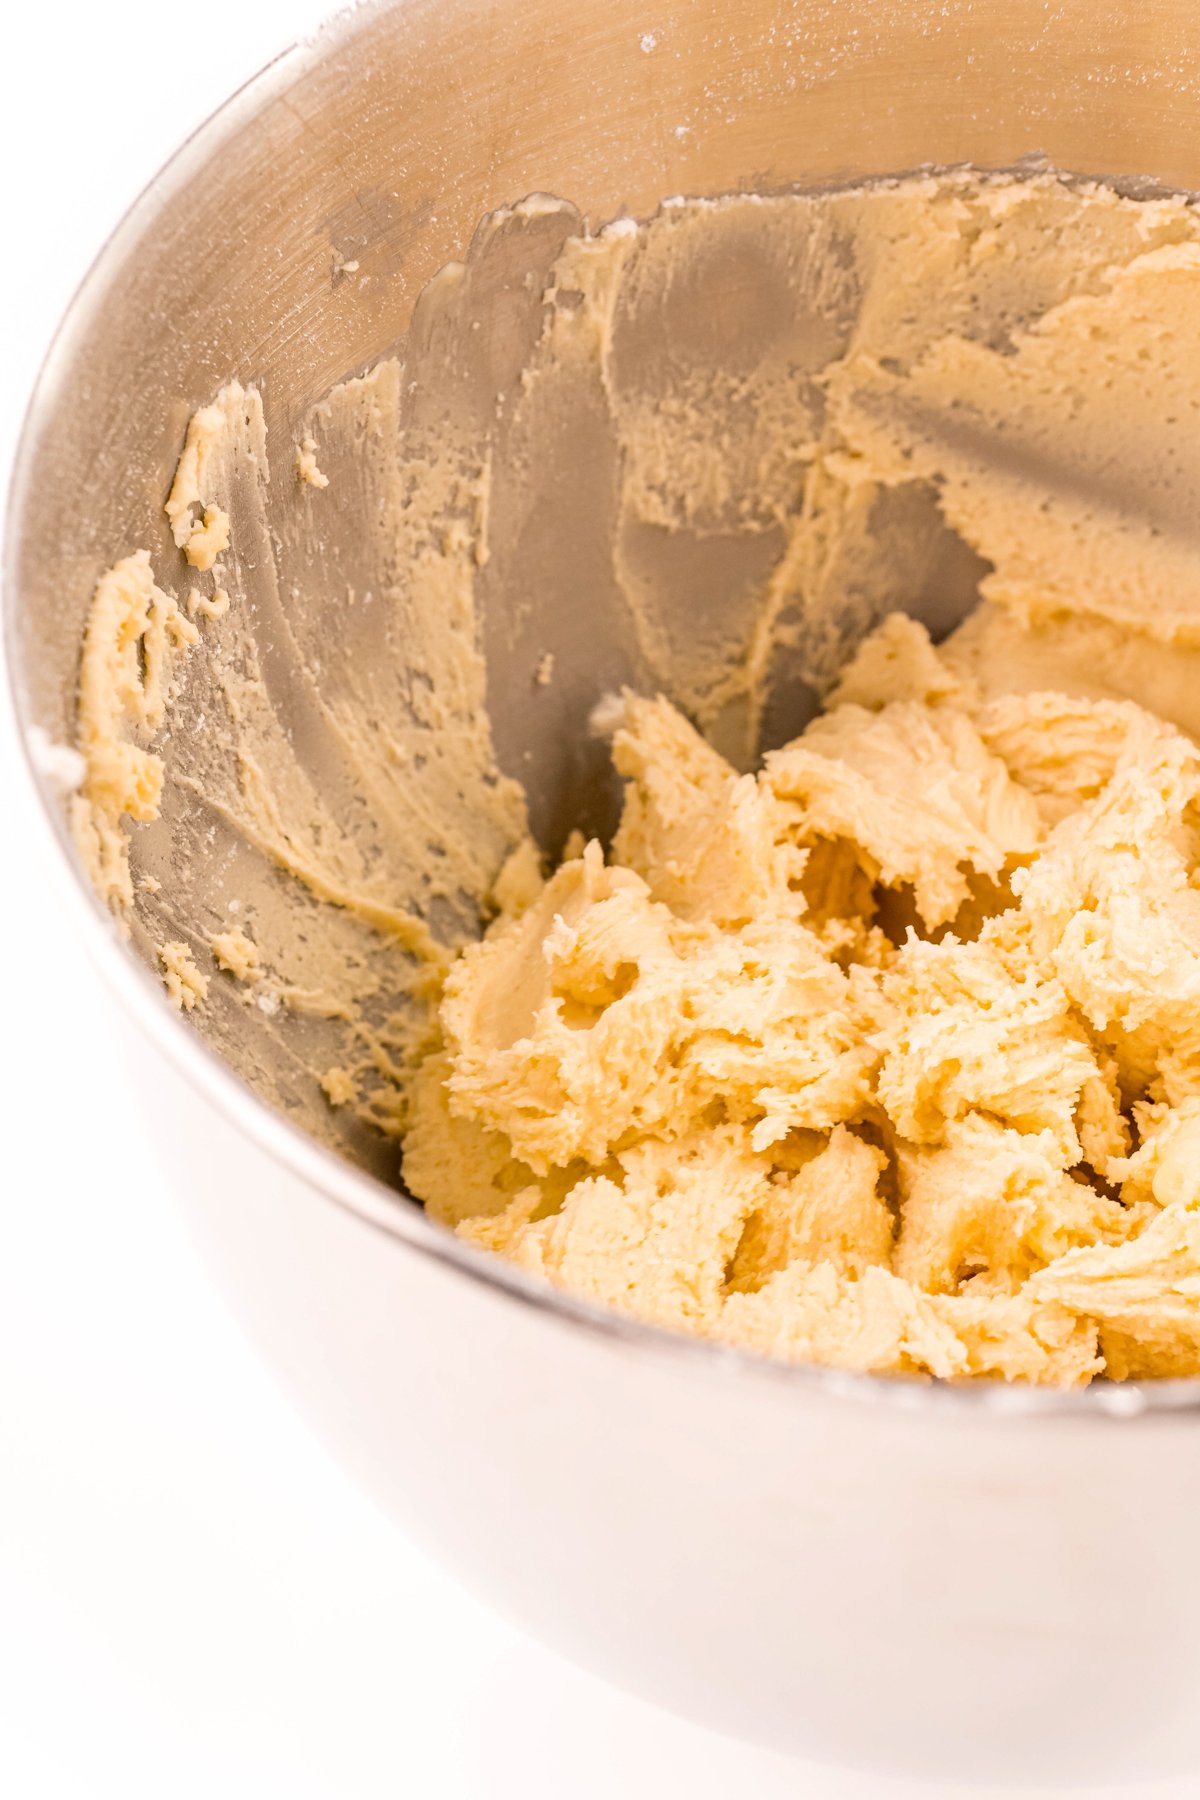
x,y
193,1600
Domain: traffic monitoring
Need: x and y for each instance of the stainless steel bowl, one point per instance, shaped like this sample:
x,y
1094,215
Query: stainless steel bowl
x,y
975,1583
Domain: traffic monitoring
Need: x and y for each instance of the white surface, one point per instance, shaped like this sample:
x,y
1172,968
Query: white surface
x,y
193,1600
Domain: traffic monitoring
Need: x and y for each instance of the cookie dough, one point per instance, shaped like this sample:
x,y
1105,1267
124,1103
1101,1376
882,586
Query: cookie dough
x,y
880,1051
200,530
135,630
885,1057
185,984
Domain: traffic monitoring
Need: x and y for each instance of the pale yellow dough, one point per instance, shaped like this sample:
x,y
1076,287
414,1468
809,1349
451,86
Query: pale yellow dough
x,y
887,1057
183,981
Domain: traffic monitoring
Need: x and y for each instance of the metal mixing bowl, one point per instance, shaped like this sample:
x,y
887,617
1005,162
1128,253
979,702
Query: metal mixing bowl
x,y
972,1582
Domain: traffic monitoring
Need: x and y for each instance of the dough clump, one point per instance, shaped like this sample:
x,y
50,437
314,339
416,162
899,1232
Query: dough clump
x,y
886,1057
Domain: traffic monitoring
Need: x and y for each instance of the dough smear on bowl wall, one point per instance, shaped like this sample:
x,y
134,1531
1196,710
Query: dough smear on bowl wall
x,y
835,991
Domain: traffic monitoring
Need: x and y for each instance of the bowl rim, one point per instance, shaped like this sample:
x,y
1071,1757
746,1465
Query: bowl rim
x,y
390,1211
